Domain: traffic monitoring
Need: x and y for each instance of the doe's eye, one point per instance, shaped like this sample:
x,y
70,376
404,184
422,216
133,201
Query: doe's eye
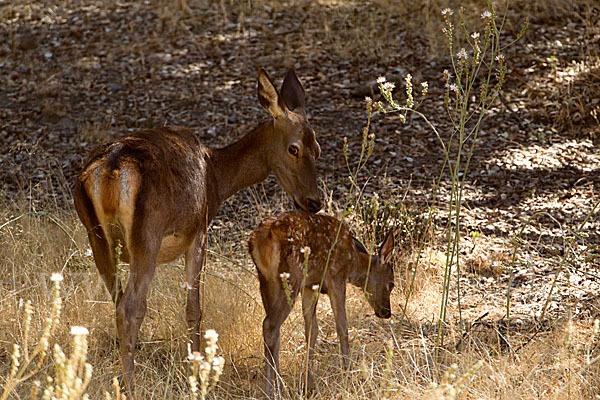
x,y
293,150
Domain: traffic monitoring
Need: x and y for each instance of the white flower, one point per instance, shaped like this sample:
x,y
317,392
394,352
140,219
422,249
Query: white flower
x,y
284,275
204,367
218,363
381,79
447,11
211,334
79,330
453,87
368,100
305,249
315,287
475,35
56,277
462,54
486,15
388,86
185,285
500,58
195,356
424,88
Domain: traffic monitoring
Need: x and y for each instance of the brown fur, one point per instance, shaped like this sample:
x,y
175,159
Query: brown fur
x,y
154,192
109,190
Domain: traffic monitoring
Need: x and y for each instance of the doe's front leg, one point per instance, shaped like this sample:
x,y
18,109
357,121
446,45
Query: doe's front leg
x,y
194,262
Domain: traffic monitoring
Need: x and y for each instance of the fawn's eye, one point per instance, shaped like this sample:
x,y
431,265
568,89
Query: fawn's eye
x,y
391,286
293,150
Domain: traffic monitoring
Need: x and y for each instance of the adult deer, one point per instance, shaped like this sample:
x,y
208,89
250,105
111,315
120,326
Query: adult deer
x,y
278,247
153,194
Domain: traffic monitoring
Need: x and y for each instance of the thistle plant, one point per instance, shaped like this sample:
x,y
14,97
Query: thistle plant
x,y
73,373
472,85
354,194
25,361
201,381
352,199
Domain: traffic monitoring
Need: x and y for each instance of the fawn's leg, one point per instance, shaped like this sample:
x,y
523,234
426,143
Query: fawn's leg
x,y
277,307
337,296
194,262
311,330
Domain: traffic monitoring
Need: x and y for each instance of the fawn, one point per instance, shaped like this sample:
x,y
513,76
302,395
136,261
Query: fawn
x,y
278,248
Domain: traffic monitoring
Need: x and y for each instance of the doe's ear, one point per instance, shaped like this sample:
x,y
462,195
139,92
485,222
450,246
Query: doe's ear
x,y
292,91
268,95
385,252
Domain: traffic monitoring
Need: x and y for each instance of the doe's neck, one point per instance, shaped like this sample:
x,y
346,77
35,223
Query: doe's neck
x,y
244,162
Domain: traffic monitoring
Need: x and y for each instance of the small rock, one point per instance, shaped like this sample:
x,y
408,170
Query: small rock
x,y
114,86
27,41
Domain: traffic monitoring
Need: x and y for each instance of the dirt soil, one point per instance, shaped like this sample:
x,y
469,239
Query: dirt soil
x,y
75,76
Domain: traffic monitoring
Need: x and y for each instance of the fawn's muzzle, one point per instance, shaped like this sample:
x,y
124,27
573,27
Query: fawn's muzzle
x,y
384,313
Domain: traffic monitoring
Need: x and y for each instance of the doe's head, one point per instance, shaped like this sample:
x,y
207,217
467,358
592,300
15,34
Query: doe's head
x,y
294,146
380,281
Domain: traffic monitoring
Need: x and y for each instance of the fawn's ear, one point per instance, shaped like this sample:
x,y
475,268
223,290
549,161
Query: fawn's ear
x,y
268,96
385,252
359,246
292,91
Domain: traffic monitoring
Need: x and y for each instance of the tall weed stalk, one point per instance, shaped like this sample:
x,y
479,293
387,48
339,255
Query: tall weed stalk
x,y
474,81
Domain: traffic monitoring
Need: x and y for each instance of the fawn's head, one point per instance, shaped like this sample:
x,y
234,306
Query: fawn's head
x,y
294,147
380,281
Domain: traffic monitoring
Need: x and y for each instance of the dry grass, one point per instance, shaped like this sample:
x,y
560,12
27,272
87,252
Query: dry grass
x,y
395,359
355,28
